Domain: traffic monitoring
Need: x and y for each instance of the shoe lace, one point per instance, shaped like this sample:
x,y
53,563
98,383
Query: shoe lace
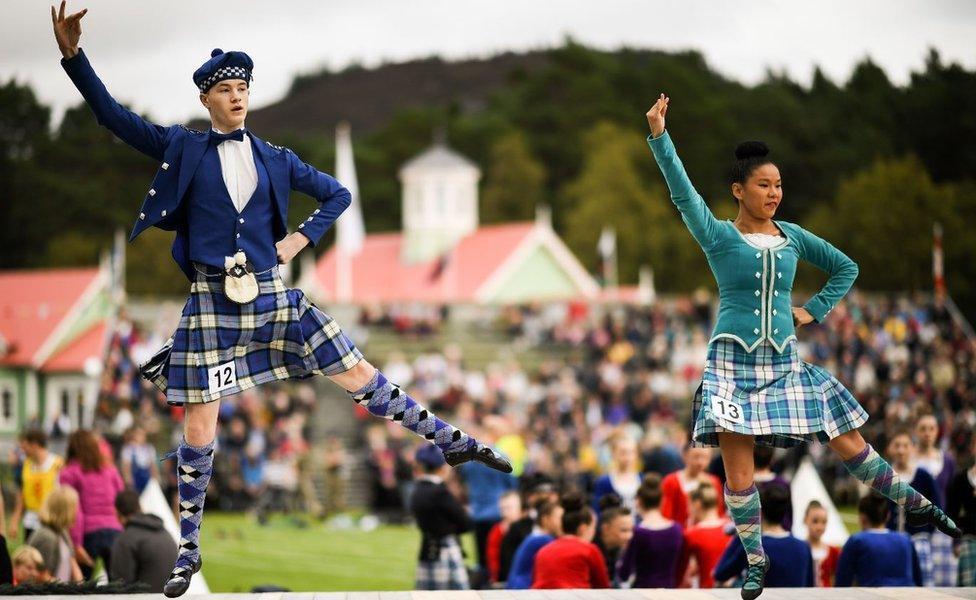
x,y
754,575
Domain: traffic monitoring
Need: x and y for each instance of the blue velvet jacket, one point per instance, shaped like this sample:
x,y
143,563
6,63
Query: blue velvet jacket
x,y
179,149
755,284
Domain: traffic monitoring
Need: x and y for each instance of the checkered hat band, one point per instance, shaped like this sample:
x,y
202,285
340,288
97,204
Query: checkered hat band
x,y
225,73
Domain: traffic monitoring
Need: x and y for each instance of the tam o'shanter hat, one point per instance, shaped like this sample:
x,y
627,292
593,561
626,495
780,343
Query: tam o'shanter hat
x,y
223,65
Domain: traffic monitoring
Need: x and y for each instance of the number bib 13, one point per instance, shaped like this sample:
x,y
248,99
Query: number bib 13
x,y
221,377
728,411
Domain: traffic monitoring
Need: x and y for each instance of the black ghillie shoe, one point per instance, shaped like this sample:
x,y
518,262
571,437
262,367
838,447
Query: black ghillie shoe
x,y
480,453
755,578
933,515
179,579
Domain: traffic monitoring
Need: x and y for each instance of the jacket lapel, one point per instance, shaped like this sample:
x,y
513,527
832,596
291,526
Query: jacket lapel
x,y
193,151
278,172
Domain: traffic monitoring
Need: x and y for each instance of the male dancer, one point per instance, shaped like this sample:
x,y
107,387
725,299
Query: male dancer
x,y
225,193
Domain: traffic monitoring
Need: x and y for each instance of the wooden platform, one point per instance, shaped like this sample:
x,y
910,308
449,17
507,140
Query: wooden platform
x,y
722,594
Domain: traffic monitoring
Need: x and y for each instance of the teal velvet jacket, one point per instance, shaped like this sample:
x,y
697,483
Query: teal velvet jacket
x,y
754,284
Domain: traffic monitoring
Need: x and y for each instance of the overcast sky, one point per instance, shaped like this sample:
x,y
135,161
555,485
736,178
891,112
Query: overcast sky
x,y
146,52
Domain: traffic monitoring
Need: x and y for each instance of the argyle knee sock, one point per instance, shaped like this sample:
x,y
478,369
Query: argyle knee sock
x,y
385,399
745,510
875,472
194,467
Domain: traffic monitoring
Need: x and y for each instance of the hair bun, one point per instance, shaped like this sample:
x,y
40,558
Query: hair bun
x,y
215,52
751,149
572,501
610,500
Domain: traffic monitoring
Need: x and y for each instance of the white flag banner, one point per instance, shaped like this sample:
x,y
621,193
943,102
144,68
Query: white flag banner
x,y
607,244
350,231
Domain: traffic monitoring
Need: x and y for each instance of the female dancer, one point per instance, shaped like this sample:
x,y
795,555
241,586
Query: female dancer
x,y
756,389
225,193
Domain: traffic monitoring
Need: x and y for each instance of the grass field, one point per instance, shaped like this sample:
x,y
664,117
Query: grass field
x,y
240,554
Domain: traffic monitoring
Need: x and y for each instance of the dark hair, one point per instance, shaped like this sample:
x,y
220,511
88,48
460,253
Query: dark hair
x,y
874,507
34,436
543,509
775,500
577,511
611,506
748,157
127,502
83,447
814,504
706,494
763,457
649,492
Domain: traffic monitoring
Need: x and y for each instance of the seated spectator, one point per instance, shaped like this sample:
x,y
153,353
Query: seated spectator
x,y
28,566
790,561
535,488
144,551
705,541
653,553
510,509
623,475
676,486
824,556
548,526
615,531
572,561
877,556
764,478
52,538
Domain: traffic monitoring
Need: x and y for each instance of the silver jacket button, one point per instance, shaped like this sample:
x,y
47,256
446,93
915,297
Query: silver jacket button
x,y
774,312
755,331
775,331
152,192
162,214
300,225
757,292
142,216
242,220
776,292
758,274
758,254
756,311
165,166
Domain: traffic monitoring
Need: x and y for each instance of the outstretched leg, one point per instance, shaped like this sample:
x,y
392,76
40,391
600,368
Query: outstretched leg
x,y
742,500
866,465
381,397
194,459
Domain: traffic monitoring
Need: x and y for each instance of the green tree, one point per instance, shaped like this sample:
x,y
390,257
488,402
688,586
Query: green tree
x,y
515,181
882,218
610,191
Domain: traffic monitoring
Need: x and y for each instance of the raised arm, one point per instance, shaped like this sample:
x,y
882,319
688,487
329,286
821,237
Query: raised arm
x,y
841,270
694,212
146,137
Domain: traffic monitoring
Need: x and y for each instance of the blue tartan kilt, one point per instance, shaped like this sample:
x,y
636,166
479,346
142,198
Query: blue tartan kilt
x,y
447,571
222,348
774,396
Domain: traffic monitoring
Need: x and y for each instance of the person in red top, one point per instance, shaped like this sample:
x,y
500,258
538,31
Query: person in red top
x,y
705,541
510,508
572,561
824,557
676,486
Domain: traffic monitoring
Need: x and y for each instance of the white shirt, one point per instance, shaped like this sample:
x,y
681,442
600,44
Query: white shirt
x,y
764,240
237,167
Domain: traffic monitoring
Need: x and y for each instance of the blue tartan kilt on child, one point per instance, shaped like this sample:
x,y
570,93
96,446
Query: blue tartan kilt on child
x,y
222,348
441,565
774,396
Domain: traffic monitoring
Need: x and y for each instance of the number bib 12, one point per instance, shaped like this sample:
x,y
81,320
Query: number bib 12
x,y
221,377
728,411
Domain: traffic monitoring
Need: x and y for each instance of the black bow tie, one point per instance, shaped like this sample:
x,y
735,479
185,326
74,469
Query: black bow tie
x,y
216,137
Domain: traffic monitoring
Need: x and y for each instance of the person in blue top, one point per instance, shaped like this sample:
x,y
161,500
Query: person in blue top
x,y
548,526
793,565
877,556
225,193
485,486
755,388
